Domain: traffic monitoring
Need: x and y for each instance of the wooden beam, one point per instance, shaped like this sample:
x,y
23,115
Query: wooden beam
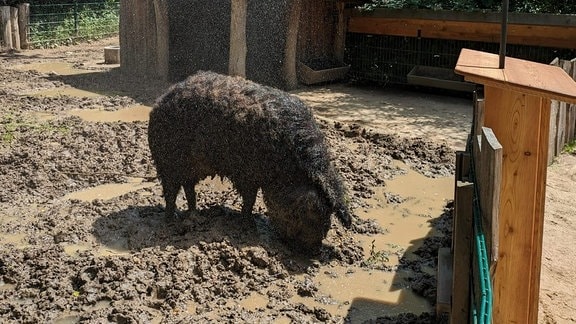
x,y
521,123
462,251
549,36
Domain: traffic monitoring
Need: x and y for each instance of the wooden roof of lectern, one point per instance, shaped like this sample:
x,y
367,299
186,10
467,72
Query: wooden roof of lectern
x,y
523,76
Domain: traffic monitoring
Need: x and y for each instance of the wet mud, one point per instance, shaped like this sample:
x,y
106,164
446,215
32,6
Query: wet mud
x,y
84,239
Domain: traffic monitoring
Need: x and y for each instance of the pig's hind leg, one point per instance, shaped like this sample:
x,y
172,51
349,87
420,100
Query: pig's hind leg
x,y
170,188
190,191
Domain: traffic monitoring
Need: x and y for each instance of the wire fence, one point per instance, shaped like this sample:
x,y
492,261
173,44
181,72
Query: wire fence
x,y
66,23
388,59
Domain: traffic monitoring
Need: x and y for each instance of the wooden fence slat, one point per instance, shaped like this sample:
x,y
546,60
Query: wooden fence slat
x,y
554,138
444,282
561,131
570,68
489,179
462,245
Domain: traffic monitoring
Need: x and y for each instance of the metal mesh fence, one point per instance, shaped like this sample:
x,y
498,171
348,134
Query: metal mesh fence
x,y
388,59
64,23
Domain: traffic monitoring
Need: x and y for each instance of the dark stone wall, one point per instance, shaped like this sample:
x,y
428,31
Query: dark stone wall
x,y
199,37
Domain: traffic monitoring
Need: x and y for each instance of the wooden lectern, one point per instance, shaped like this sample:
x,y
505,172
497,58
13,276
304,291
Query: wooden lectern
x,y
517,109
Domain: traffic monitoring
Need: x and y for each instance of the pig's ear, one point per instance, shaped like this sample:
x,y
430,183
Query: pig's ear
x,y
344,216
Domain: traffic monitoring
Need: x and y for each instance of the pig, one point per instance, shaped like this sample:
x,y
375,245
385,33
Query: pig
x,y
258,137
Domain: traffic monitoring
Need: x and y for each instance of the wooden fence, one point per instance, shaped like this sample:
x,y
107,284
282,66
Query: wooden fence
x,y
14,22
562,116
464,270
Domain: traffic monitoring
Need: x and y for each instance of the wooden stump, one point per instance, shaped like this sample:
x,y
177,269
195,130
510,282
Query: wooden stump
x,y
23,24
5,27
112,54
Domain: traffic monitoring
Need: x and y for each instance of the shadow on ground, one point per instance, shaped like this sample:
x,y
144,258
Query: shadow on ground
x,y
114,82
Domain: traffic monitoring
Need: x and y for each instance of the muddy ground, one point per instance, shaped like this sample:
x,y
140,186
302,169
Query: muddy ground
x,y
84,238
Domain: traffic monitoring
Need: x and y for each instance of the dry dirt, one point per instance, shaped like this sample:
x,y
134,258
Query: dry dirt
x,y
83,236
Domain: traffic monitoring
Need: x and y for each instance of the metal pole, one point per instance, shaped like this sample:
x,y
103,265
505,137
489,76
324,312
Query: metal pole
x,y
504,32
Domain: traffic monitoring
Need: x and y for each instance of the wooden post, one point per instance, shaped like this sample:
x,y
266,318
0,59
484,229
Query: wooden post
x,y
340,41
238,47
290,51
15,30
517,108
6,26
24,24
162,37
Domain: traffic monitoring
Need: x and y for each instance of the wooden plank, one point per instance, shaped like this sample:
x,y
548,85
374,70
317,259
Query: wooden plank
x,y
540,19
5,26
14,28
521,123
532,78
462,251
24,24
444,282
550,36
489,179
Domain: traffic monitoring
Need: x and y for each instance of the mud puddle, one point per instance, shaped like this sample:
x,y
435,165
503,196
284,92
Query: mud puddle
x,y
369,293
109,191
52,67
70,92
129,114
406,223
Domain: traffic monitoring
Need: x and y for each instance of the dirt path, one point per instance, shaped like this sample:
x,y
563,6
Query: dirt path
x,y
84,238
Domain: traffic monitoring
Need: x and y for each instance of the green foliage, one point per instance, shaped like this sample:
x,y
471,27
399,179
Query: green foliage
x,y
58,24
11,125
570,148
530,6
